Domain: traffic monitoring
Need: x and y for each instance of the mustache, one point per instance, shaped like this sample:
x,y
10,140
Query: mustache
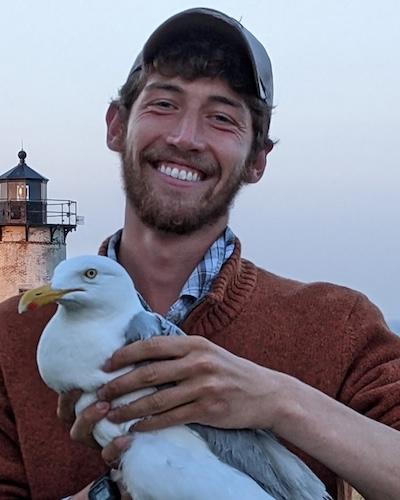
x,y
198,161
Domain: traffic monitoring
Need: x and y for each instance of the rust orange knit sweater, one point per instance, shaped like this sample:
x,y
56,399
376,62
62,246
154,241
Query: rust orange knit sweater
x,y
328,336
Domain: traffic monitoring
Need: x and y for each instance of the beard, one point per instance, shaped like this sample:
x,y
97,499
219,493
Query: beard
x,y
177,214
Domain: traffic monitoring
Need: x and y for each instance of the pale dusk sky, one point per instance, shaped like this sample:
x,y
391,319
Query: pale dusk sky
x,y
327,208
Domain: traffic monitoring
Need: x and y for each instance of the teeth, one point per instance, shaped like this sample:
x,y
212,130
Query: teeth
x,y
176,173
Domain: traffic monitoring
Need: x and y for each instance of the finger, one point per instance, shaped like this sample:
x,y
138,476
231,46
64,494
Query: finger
x,y
116,476
150,375
66,405
158,402
111,454
83,494
82,428
177,416
146,350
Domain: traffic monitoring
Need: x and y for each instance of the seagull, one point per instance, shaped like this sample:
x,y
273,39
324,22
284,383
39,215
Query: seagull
x,y
99,311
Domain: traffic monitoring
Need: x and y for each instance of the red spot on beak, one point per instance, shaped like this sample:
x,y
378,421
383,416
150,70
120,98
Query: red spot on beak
x,y
32,306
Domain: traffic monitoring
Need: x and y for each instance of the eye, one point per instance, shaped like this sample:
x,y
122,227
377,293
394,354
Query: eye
x,y
91,273
163,104
222,119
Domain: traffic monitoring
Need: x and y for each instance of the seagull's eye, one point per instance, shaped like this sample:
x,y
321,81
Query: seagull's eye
x,y
91,273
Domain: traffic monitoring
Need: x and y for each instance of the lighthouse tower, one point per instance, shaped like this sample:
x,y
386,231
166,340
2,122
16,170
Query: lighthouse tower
x,y
33,229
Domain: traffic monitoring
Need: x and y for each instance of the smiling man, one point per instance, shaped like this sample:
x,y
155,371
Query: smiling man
x,y
315,362
187,146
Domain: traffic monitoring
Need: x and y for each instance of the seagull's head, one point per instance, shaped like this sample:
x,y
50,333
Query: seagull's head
x,y
85,282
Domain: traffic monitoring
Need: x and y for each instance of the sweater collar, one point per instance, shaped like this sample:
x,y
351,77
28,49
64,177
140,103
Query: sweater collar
x,y
228,297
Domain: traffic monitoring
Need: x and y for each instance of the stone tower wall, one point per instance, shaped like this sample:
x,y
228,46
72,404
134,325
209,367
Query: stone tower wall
x,y
28,259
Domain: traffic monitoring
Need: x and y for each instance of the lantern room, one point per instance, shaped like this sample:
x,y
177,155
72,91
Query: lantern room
x,y
23,195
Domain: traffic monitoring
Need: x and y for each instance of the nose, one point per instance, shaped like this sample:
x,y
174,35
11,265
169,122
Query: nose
x,y
187,133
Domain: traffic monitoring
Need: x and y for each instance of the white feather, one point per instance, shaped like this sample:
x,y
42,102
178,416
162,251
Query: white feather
x,y
89,325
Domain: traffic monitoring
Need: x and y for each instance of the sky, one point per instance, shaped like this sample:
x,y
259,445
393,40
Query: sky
x,y
327,208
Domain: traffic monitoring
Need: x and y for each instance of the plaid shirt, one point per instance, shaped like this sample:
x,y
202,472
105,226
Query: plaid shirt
x,y
200,281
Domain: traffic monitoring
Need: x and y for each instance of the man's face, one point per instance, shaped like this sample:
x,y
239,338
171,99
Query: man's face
x,y
186,150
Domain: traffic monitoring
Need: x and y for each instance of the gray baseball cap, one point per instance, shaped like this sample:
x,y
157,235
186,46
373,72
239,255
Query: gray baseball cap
x,y
213,21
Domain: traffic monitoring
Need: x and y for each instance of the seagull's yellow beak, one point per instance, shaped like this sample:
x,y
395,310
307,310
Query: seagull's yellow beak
x,y
38,297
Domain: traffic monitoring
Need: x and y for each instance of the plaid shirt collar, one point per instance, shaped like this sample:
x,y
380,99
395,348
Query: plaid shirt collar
x,y
200,281
202,277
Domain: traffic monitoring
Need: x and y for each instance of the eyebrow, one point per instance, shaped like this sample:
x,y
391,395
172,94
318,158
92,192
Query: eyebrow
x,y
221,99
164,86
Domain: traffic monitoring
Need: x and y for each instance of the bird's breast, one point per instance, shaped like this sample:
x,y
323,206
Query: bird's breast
x,y
67,361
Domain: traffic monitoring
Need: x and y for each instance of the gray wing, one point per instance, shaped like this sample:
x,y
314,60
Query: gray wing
x,y
255,452
145,325
260,455
168,328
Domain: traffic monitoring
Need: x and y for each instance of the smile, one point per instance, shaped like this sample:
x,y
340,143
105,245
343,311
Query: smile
x,y
181,173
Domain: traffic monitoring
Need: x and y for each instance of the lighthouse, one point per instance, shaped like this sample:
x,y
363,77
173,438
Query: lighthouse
x,y
33,229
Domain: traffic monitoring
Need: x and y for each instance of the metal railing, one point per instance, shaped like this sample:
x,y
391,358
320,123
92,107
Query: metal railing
x,y
50,211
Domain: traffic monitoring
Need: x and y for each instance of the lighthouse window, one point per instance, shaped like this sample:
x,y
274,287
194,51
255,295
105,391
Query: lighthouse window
x,y
22,192
16,211
12,190
43,191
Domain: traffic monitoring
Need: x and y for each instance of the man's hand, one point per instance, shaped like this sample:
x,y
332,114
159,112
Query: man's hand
x,y
114,474
211,385
83,494
81,431
83,424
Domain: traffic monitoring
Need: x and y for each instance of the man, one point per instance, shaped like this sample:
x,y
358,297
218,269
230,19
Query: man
x,y
191,126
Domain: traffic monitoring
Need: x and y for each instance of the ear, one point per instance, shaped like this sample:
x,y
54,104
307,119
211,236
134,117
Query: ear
x,y
255,170
115,127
